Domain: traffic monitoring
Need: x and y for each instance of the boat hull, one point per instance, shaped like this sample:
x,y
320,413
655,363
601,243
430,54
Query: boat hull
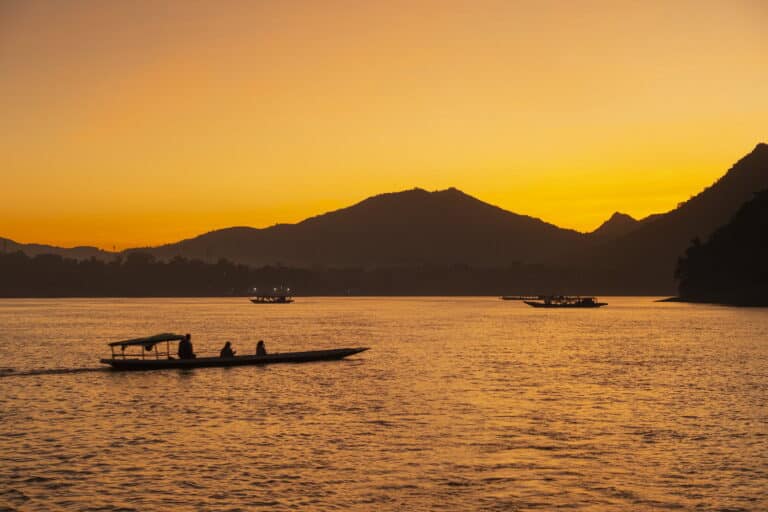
x,y
203,362
269,301
543,305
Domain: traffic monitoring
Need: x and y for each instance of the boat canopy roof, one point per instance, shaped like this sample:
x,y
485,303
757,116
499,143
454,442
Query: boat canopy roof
x,y
150,340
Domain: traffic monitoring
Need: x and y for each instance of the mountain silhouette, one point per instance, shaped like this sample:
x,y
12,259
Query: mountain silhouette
x,y
617,225
412,227
415,227
643,260
81,252
730,267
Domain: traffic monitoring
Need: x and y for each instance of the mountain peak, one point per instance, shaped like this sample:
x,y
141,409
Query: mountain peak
x,y
418,191
759,154
408,227
621,217
414,195
449,190
617,225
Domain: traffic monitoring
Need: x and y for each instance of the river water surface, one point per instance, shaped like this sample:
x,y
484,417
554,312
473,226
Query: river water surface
x,y
461,404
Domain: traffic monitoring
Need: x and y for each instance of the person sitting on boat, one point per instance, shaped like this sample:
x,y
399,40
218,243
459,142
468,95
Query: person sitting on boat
x,y
185,348
227,351
261,350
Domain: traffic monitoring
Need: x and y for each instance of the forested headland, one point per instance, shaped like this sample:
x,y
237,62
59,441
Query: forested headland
x,y
731,267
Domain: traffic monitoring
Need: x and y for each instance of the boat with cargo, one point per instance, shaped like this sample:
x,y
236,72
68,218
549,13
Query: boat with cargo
x,y
277,295
557,301
156,352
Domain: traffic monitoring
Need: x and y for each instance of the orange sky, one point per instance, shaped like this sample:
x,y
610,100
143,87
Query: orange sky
x,y
133,123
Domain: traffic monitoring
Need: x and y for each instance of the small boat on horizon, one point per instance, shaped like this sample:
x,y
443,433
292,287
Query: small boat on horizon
x,y
557,301
156,354
277,295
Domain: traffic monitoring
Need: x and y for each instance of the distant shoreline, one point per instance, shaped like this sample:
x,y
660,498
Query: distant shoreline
x,y
714,302
363,296
298,298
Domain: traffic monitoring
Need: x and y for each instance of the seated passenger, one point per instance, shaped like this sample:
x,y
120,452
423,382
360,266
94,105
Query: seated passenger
x,y
185,348
227,351
260,348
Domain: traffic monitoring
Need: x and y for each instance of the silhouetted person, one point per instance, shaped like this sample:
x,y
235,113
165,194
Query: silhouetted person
x,y
185,348
227,351
261,350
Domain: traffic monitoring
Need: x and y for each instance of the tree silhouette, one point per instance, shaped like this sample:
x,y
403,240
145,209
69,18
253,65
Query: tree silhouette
x,y
731,266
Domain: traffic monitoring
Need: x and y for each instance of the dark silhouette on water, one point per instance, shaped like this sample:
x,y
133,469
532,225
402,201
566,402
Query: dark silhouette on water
x,y
274,295
564,301
731,267
185,348
557,301
261,350
149,357
226,350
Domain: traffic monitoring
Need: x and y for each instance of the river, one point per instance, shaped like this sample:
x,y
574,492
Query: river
x,y
461,404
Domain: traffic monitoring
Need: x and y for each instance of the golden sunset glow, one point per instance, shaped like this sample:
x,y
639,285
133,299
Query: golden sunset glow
x,y
131,123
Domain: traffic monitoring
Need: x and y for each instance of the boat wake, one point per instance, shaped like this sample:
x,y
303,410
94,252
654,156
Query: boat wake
x,y
10,372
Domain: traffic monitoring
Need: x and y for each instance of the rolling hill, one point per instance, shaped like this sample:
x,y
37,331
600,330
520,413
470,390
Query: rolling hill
x,y
413,227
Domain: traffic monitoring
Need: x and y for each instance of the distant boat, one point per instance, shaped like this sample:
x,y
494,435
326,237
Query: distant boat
x,y
566,301
156,354
272,296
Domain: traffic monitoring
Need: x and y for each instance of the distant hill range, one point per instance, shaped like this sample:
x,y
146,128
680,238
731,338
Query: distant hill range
x,y
449,227
80,253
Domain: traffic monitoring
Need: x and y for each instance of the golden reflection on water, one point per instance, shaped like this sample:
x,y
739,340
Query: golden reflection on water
x,y
462,404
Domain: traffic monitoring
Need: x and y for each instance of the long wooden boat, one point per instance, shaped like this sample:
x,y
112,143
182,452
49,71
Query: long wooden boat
x,y
557,301
152,357
279,295
562,301
271,300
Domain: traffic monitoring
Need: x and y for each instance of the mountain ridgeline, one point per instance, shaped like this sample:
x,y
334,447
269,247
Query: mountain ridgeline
x,y
419,233
644,258
408,228
80,253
